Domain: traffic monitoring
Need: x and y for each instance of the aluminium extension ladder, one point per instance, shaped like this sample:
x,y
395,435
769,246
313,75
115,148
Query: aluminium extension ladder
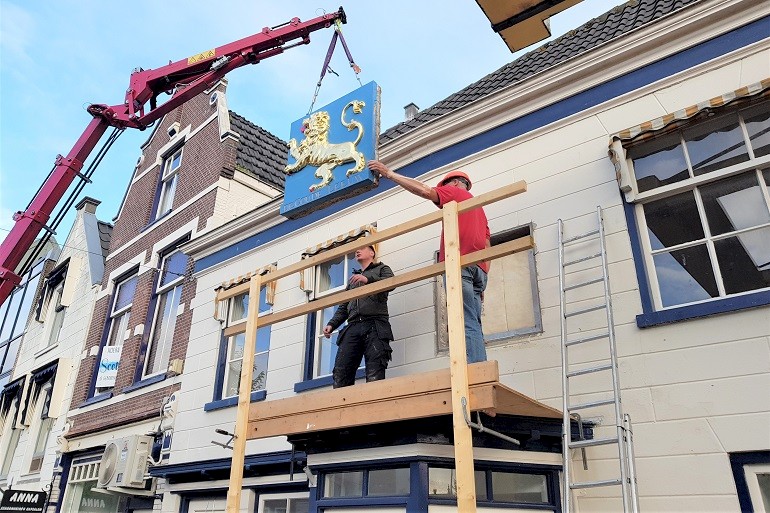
x,y
592,245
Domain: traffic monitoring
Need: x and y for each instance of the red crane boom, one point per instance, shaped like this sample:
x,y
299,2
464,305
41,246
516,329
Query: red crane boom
x,y
198,72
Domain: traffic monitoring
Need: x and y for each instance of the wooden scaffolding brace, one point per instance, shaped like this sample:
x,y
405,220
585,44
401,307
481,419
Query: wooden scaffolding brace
x,y
460,391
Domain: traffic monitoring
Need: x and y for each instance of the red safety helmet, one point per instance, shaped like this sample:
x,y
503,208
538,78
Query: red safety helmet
x,y
456,174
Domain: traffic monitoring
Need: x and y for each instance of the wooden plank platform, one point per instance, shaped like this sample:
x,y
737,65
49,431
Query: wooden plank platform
x,y
415,396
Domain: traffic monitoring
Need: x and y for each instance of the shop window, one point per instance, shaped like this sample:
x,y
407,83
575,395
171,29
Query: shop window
x,y
367,483
511,304
120,314
168,181
701,203
289,503
500,486
168,294
80,494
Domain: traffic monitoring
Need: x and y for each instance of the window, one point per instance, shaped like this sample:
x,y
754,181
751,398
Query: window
x,y
56,310
238,311
493,485
9,434
168,294
168,179
44,425
511,302
14,314
80,494
330,277
9,452
118,326
367,483
290,503
703,208
751,472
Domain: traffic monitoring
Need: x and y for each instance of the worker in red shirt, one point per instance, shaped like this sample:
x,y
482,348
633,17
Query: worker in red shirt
x,y
474,235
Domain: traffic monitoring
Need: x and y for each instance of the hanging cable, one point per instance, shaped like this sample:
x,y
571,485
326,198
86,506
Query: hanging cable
x,y
356,69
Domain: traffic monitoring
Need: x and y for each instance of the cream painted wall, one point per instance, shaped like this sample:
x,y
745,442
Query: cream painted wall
x,y
692,388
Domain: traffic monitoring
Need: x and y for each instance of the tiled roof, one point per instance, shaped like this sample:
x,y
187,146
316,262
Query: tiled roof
x,y
612,24
260,153
105,233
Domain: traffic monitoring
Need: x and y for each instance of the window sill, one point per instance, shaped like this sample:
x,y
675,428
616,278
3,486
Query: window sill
x,y
321,382
45,350
156,221
725,305
157,378
259,395
96,399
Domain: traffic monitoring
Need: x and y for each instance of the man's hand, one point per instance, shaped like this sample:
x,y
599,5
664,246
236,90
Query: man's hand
x,y
358,279
328,331
380,169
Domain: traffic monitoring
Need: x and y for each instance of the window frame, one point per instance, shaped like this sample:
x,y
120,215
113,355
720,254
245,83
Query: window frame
x,y
504,337
745,466
654,311
232,328
264,497
168,180
173,287
123,312
42,427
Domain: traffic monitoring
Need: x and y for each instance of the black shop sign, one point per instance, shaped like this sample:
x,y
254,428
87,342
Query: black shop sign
x,y
22,501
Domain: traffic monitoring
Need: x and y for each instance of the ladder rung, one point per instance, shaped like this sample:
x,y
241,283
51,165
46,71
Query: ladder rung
x,y
581,236
572,262
586,310
592,404
587,339
589,370
579,444
595,484
585,283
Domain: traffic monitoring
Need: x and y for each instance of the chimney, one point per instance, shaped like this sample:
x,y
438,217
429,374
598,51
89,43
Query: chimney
x,y
410,111
88,204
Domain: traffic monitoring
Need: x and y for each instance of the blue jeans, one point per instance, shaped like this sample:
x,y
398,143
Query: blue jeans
x,y
474,282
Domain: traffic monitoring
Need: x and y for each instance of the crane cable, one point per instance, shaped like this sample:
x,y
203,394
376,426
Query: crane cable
x,y
356,69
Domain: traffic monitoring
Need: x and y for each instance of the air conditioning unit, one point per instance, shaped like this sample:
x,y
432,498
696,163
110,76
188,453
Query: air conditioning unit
x,y
124,462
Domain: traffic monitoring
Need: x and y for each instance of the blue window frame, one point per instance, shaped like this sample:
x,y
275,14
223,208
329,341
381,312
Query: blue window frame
x,y
700,221
231,351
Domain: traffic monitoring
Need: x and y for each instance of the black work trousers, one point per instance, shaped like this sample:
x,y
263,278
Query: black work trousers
x,y
360,339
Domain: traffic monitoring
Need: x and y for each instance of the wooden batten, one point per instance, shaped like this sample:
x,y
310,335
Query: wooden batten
x,y
415,396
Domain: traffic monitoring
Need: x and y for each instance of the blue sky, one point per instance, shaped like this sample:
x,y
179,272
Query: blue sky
x,y
56,58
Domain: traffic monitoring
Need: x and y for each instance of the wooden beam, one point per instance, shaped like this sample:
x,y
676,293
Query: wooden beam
x,y
482,373
244,399
497,251
463,442
388,233
413,406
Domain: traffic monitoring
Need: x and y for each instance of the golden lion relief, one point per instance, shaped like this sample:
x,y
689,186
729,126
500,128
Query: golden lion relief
x,y
316,150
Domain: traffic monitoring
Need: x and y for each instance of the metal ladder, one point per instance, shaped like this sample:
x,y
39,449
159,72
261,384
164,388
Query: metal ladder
x,y
623,437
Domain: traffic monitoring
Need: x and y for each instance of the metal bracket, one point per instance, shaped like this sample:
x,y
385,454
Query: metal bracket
x,y
480,427
225,445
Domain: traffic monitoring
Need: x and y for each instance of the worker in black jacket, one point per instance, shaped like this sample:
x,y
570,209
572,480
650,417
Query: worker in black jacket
x,y
368,331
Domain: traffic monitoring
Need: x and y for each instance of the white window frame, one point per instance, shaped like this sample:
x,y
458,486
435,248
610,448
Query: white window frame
x,y
692,184
168,181
751,471
319,324
278,496
174,288
55,315
229,340
9,440
41,427
119,320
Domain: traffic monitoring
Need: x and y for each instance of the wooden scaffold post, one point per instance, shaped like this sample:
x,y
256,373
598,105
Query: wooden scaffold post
x,y
244,399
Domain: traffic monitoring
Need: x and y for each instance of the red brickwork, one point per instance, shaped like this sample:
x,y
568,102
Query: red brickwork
x,y
203,158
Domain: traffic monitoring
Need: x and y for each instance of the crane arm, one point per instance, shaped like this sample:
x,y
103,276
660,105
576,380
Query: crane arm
x,y
197,73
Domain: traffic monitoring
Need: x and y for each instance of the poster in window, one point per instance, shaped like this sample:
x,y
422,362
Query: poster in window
x,y
108,366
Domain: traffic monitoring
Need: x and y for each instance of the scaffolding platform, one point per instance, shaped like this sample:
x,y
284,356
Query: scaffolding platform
x,y
415,396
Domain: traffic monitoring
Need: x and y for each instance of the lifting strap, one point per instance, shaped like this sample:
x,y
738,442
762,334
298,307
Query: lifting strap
x,y
337,35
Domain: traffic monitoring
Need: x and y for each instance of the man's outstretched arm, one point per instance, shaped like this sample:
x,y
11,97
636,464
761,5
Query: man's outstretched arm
x,y
410,184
